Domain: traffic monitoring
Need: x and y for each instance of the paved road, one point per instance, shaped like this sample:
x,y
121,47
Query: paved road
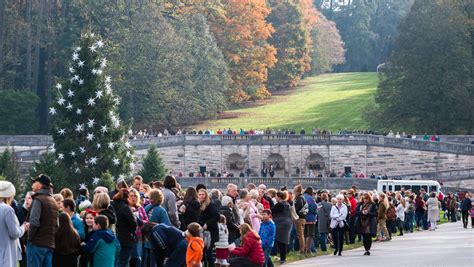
x,y
449,245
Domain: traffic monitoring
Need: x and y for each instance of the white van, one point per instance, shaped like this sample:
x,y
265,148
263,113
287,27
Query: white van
x,y
413,185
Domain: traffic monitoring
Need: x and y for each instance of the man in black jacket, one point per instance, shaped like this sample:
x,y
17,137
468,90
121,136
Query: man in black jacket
x,y
466,205
42,217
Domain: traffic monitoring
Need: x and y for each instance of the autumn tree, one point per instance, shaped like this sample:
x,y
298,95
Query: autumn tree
x,y
292,23
328,48
242,34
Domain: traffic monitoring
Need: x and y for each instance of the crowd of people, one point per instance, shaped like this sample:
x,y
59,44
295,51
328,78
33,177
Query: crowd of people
x,y
161,224
141,134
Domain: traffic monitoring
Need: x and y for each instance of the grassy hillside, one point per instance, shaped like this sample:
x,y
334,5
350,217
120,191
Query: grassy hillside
x,y
330,101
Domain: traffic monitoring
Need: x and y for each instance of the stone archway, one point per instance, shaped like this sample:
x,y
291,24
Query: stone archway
x,y
275,160
315,162
235,162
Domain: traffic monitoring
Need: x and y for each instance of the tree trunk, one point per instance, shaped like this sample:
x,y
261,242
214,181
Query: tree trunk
x,y
28,45
50,62
3,31
39,27
39,62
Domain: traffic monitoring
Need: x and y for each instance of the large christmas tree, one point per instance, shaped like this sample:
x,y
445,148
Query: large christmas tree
x,y
89,138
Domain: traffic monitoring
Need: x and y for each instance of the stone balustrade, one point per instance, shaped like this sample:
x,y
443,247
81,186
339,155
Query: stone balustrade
x,y
349,139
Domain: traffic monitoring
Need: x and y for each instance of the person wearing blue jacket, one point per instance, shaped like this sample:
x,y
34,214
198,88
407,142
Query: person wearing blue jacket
x,y
267,234
311,218
156,214
102,244
70,209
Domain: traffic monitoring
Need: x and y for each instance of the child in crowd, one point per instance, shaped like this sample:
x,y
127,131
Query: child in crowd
x,y
88,222
59,202
267,234
102,245
222,246
195,248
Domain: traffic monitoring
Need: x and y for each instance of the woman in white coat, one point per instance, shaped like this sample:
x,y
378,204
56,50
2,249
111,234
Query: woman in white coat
x,y
433,210
338,218
10,230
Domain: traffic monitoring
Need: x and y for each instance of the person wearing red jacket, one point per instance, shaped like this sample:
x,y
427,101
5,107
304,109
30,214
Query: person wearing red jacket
x,y
352,216
250,254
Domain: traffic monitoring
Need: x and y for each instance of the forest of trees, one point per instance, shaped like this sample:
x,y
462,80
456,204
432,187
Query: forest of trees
x,y
174,62
427,87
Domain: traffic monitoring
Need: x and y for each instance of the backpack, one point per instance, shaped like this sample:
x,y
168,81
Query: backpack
x,y
304,210
391,213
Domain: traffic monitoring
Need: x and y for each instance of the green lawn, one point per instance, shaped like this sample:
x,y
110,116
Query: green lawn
x,y
329,101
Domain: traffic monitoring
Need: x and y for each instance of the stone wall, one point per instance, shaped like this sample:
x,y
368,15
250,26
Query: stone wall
x,y
361,158
293,153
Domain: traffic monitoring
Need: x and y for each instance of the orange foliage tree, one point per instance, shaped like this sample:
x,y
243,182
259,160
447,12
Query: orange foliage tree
x,y
293,22
241,33
310,18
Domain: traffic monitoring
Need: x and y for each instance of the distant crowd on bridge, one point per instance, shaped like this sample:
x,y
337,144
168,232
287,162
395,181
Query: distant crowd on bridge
x,y
162,224
322,133
270,173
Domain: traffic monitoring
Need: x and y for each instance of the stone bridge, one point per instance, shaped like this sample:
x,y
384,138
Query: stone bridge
x,y
295,155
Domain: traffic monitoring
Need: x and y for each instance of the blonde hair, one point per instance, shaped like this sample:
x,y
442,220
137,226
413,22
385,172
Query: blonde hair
x,y
156,196
298,189
147,189
254,193
385,200
101,201
6,200
403,202
137,195
207,201
58,197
